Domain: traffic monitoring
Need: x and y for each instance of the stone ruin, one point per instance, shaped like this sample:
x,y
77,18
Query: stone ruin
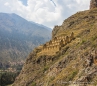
x,y
93,4
54,45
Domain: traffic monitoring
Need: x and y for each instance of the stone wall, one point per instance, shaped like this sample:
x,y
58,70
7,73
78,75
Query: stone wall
x,y
54,45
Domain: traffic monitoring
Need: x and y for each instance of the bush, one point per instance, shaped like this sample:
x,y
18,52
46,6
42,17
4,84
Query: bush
x,y
33,84
72,75
94,38
7,78
83,41
45,68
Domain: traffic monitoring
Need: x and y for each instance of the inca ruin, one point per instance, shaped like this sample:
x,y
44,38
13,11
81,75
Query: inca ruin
x,y
54,45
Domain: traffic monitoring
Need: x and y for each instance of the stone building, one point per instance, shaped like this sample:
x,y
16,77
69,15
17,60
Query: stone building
x,y
93,4
54,45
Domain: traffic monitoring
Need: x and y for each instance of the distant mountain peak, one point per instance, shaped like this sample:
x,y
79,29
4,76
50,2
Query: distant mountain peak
x,y
18,37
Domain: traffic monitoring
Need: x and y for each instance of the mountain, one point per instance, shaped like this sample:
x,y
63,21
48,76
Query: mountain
x,y
18,37
41,25
68,59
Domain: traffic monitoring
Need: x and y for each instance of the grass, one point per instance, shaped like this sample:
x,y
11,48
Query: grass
x,y
33,84
45,68
72,75
94,38
83,41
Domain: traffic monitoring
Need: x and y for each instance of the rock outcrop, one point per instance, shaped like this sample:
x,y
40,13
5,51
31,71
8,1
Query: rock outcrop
x,y
93,4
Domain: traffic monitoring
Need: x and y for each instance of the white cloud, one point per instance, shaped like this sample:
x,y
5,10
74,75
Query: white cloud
x,y
44,11
6,4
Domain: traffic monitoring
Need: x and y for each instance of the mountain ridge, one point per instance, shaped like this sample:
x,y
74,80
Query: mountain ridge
x,y
18,37
74,62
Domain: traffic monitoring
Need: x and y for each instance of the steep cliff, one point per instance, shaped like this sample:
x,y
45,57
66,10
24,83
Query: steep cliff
x,y
74,63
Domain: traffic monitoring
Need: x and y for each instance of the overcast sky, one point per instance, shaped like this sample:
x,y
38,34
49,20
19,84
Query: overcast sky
x,y
46,12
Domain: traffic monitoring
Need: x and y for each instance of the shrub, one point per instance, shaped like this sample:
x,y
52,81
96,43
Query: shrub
x,y
33,84
83,41
94,38
72,75
7,78
45,68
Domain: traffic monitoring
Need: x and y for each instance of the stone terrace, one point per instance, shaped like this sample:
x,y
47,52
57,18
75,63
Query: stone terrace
x,y
54,45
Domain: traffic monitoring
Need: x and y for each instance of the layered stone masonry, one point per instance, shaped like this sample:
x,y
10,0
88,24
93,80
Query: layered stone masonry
x,y
54,45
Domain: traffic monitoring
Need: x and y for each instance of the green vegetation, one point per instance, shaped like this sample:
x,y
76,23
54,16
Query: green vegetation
x,y
45,68
33,84
7,78
72,75
94,38
83,41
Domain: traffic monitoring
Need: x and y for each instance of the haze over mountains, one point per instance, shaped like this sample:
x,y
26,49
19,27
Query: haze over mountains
x,y
18,37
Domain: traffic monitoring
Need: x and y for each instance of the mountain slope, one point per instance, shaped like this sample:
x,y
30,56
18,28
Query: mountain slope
x,y
74,63
18,37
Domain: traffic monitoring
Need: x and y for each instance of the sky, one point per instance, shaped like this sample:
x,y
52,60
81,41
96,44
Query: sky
x,y
46,12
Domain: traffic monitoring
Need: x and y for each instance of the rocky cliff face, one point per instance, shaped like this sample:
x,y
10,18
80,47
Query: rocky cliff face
x,y
74,64
93,4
